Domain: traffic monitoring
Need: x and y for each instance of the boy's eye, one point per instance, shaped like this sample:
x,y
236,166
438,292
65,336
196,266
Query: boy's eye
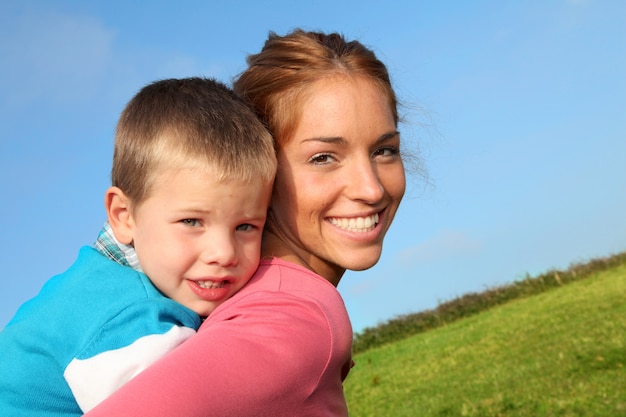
x,y
245,227
190,222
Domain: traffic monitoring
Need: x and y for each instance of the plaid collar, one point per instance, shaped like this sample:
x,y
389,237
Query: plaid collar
x,y
109,246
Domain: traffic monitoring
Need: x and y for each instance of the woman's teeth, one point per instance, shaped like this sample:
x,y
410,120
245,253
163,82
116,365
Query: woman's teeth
x,y
356,224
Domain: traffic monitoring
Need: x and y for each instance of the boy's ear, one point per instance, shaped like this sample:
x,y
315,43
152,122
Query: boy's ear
x,y
119,214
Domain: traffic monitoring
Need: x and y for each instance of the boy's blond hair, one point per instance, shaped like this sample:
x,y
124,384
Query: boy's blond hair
x,y
189,122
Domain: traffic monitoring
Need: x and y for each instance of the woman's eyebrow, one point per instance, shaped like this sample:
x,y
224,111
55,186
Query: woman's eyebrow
x,y
387,136
339,140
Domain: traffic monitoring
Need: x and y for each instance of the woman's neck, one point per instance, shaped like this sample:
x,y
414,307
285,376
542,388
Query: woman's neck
x,y
275,246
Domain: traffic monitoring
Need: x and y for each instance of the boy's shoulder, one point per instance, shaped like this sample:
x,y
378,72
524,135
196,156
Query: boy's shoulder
x,y
93,274
97,296
93,286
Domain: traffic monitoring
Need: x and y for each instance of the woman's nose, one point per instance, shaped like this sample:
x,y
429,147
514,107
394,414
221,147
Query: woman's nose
x,y
364,183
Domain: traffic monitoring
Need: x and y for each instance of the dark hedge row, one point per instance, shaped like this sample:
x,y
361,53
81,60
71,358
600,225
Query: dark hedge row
x,y
472,303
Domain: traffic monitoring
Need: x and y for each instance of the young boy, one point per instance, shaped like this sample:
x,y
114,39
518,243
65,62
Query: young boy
x,y
191,182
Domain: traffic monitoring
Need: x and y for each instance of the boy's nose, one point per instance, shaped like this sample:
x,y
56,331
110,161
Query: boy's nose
x,y
220,250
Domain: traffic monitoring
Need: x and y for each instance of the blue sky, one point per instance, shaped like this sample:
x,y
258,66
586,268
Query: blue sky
x,y
518,109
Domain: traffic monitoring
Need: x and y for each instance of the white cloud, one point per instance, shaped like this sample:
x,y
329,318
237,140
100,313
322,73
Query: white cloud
x,y
362,287
447,244
46,54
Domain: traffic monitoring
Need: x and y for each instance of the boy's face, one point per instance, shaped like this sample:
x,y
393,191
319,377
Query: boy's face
x,y
198,239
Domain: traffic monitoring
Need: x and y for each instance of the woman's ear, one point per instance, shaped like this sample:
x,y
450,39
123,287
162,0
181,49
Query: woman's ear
x,y
119,214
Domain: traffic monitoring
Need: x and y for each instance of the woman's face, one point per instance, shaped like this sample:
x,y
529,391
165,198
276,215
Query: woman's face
x,y
340,179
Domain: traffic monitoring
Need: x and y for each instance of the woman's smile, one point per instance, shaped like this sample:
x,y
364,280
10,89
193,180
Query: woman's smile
x,y
356,224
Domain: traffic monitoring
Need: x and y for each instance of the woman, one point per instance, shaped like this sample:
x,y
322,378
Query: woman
x,y
282,345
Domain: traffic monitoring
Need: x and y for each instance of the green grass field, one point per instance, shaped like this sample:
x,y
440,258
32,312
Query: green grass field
x,y
558,353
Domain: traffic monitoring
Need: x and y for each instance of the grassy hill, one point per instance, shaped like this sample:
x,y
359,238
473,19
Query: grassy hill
x,y
561,352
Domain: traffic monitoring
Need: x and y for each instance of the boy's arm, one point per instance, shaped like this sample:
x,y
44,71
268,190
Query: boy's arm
x,y
125,346
267,357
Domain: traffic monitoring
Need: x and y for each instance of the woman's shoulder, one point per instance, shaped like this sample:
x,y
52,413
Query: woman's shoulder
x,y
281,287
290,276
285,279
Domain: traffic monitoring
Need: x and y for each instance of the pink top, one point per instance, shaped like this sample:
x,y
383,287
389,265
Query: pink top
x,y
281,346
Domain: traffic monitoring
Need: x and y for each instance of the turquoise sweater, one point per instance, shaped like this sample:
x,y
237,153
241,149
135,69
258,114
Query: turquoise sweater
x,y
88,331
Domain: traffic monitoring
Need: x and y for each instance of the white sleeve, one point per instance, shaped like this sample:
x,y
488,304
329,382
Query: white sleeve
x,y
92,380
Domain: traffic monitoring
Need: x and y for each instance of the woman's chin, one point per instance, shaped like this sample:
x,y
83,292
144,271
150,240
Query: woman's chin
x,y
363,262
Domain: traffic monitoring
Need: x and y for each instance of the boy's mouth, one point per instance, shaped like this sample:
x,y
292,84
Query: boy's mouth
x,y
211,284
